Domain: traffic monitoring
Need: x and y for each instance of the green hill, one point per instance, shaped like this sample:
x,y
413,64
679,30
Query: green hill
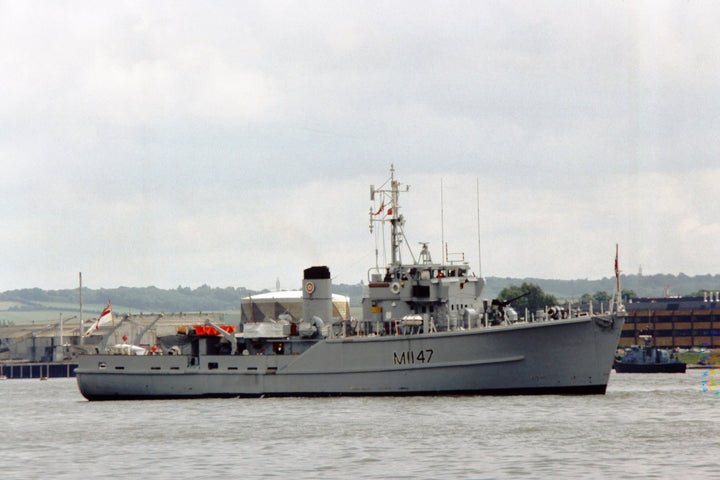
x,y
34,304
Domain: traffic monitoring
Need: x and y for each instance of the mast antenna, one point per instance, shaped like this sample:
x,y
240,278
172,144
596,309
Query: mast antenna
x,y
477,183
442,221
81,340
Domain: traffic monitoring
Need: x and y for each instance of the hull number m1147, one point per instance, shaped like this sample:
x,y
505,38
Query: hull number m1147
x,y
411,357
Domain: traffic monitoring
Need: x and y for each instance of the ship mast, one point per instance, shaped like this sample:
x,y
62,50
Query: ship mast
x,y
81,340
396,220
389,211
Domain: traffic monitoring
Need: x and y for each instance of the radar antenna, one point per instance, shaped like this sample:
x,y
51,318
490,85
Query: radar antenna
x,y
389,211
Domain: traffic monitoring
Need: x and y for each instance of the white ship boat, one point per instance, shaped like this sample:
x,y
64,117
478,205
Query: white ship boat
x,y
420,334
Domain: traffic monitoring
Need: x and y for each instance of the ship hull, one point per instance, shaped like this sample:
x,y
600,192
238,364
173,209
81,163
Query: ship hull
x,y
572,356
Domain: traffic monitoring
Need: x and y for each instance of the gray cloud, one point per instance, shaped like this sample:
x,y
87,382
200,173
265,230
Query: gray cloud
x,y
185,143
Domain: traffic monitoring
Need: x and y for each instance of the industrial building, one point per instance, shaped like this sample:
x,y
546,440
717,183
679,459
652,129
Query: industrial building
x,y
674,322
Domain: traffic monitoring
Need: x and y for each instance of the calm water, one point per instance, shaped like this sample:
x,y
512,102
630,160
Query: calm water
x,y
647,426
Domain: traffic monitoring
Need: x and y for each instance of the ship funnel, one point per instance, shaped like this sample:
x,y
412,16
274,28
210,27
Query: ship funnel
x,y
317,294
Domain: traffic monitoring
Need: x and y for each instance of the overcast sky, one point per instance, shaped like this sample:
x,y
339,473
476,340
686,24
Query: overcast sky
x,y
233,143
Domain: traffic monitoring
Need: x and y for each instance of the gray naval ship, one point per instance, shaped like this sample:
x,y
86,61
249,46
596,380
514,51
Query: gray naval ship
x,y
422,332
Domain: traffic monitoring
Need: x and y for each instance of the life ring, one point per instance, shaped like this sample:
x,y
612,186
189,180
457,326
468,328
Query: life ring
x,y
395,287
310,287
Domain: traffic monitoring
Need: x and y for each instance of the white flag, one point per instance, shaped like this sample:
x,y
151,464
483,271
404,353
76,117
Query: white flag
x,y
104,318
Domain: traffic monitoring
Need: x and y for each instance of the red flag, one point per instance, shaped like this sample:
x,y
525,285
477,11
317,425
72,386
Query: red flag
x,y
617,270
382,207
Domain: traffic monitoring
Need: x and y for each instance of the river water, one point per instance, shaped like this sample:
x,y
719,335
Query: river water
x,y
646,426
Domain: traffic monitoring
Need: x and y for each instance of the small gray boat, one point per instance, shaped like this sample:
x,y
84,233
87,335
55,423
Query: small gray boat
x,y
648,359
422,332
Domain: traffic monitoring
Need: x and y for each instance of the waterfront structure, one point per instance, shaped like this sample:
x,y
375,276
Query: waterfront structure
x,y
61,341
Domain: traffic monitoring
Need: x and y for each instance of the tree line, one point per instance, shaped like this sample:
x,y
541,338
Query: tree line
x,y
205,298
147,299
531,297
